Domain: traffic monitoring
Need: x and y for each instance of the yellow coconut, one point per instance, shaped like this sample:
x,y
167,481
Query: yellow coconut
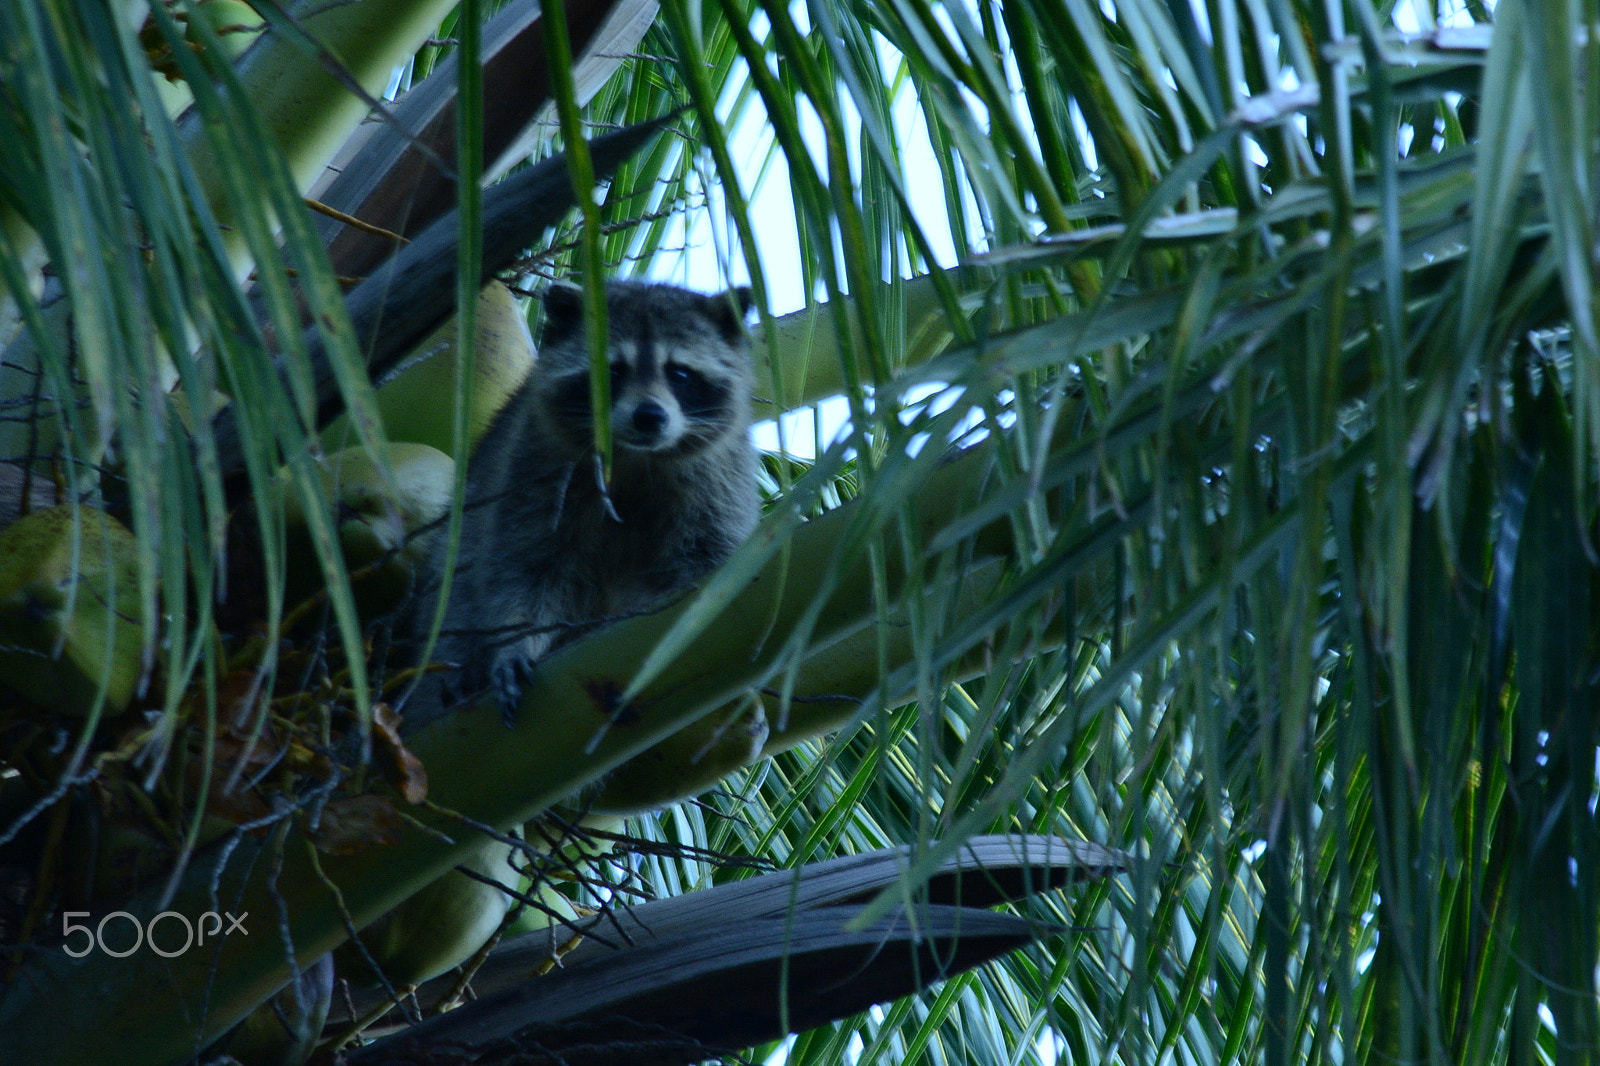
x,y
440,927
69,610
415,404
378,518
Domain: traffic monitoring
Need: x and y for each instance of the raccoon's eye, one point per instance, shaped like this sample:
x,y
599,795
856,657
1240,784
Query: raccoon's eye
x,y
697,397
618,372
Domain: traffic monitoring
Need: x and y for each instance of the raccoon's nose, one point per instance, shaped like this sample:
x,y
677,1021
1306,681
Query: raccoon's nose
x,y
649,419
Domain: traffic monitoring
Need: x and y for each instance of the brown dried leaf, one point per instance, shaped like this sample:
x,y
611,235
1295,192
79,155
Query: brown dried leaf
x,y
356,822
239,698
239,806
410,775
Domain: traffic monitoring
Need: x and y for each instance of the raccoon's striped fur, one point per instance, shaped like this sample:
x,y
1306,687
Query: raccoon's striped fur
x,y
547,553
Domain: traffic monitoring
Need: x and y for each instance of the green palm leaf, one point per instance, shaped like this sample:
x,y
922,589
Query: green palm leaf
x,y
1218,485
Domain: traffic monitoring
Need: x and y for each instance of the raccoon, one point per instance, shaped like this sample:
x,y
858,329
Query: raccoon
x,y
547,551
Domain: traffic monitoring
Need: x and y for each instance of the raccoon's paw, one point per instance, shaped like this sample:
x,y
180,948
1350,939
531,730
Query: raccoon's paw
x,y
512,669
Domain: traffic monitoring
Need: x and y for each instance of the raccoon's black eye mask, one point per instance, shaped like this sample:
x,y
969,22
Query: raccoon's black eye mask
x,y
697,397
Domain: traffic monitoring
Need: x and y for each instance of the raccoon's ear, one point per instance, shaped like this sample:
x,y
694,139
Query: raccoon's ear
x,y
563,311
729,310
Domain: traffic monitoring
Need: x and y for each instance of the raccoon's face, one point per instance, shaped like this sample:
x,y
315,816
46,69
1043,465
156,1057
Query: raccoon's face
x,y
680,367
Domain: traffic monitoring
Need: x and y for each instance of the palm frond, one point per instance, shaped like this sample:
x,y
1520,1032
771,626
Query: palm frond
x,y
1218,484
